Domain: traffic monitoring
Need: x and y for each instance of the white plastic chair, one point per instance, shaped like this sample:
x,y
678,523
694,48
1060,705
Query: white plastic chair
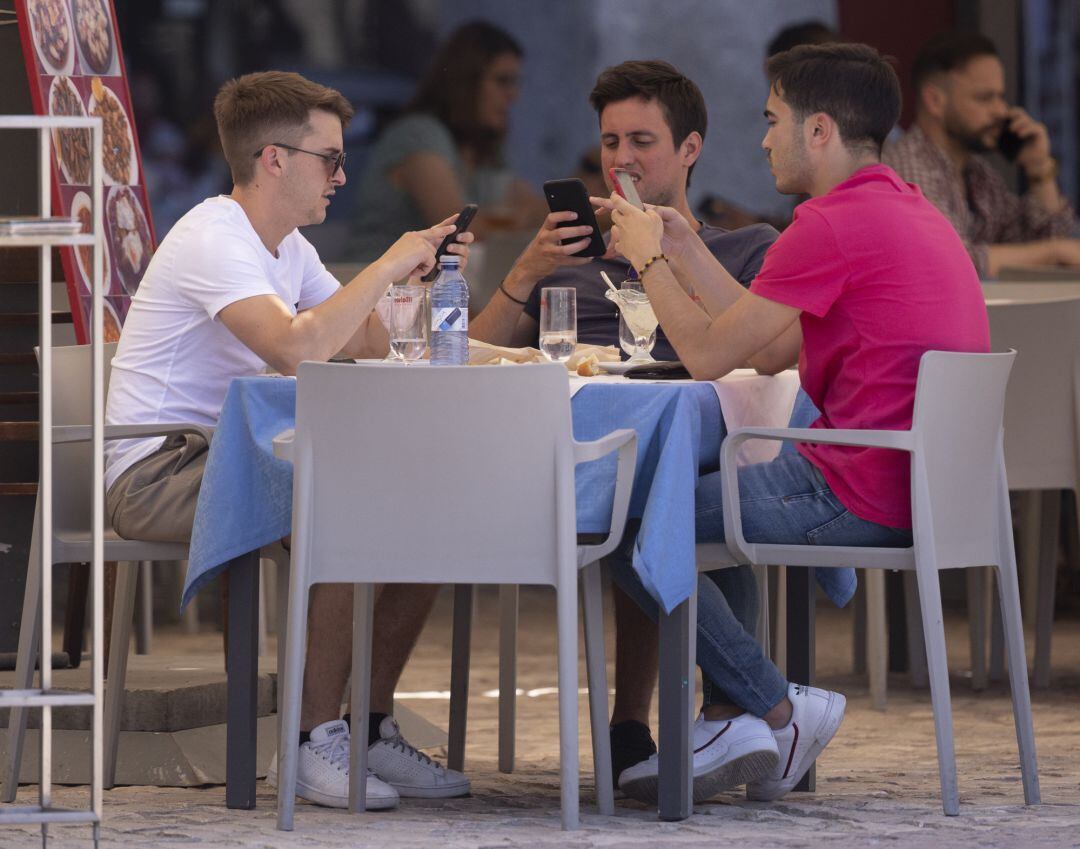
x,y
1042,442
961,519
444,475
72,544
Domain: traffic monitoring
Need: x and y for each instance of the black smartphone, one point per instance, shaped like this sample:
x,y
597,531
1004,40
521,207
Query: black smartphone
x,y
1009,143
570,195
462,223
660,370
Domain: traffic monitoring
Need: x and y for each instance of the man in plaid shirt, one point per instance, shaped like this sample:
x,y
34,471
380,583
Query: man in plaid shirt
x,y
961,113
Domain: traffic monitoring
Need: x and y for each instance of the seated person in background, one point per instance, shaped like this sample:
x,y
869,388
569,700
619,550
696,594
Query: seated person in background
x,y
868,277
810,31
446,150
652,123
960,115
234,287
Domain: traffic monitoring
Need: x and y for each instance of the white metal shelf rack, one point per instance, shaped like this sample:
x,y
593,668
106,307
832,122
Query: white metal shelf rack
x,y
46,697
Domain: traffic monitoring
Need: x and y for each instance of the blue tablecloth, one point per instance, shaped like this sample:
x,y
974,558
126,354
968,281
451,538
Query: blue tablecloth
x,y
246,496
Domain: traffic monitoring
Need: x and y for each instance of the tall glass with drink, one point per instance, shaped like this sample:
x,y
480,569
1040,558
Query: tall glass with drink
x,y
408,322
637,313
558,322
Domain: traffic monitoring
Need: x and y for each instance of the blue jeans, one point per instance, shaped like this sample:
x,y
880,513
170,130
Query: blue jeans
x,y
783,501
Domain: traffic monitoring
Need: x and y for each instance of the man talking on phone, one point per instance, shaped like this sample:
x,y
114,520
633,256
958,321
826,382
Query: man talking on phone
x,y
652,124
961,115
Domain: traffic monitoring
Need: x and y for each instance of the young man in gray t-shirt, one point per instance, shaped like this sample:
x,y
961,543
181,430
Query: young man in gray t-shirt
x,y
652,123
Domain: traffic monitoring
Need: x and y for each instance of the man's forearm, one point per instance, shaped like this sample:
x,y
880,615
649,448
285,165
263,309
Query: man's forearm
x,y
1042,252
685,325
496,323
341,323
1047,194
709,280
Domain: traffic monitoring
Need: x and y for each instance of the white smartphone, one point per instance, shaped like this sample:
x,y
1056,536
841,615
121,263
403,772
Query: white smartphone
x,y
624,185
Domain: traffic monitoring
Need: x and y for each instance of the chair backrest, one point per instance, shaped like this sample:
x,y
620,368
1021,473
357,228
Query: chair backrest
x,y
71,398
417,470
1042,406
957,470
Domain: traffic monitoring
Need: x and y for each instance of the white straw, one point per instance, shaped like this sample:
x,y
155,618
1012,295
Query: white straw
x,y
608,281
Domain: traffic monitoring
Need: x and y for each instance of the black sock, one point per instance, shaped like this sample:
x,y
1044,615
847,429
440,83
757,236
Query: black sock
x,y
305,737
374,720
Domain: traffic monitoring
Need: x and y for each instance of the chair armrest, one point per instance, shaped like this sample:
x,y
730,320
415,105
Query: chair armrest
x,y
83,433
283,444
584,452
625,440
899,439
745,552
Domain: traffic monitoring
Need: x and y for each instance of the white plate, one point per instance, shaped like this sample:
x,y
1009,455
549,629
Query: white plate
x,y
616,368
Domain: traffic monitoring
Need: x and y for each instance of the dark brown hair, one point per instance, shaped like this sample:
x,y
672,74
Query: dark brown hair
x,y
851,83
948,51
450,88
269,106
652,79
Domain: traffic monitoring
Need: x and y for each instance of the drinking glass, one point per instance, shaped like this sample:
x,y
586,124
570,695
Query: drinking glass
x,y
382,309
626,338
408,322
558,322
637,314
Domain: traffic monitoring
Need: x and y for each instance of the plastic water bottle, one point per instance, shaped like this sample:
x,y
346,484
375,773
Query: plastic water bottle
x,y
450,314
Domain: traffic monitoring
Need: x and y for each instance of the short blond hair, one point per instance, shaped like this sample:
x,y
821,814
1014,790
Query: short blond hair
x,y
257,109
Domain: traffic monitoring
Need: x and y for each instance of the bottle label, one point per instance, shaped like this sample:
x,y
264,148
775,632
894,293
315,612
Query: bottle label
x,y
449,318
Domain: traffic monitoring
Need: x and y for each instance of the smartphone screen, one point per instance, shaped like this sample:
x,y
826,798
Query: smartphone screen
x,y
624,185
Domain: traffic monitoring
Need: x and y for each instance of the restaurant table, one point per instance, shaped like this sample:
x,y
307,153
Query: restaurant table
x,y
246,502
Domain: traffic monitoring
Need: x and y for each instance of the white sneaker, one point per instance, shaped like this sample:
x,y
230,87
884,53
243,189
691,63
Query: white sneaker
x,y
815,718
408,771
727,753
322,772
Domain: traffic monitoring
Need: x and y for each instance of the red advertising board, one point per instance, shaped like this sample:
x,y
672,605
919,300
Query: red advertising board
x,y
75,67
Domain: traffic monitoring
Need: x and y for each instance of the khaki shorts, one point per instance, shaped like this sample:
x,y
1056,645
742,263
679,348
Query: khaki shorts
x,y
155,499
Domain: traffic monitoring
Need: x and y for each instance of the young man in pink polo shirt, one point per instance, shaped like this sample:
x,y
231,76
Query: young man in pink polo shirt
x,y
867,278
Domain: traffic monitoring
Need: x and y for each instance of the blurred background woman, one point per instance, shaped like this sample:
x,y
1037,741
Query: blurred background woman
x,y
446,149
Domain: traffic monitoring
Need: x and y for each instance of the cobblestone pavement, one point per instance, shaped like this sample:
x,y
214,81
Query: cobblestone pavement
x,y
877,782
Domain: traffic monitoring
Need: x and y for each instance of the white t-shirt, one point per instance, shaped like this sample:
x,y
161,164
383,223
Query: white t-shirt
x,y
175,361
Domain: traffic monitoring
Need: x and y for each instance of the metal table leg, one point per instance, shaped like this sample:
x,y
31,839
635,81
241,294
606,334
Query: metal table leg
x,y
677,679
243,674
801,592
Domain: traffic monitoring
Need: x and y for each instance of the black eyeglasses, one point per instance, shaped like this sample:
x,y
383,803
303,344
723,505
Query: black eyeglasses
x,y
337,160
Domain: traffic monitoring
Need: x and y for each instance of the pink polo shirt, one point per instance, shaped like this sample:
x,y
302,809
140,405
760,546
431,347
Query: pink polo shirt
x,y
881,277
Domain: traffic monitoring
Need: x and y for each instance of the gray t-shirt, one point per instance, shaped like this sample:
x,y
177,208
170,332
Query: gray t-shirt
x,y
384,211
740,251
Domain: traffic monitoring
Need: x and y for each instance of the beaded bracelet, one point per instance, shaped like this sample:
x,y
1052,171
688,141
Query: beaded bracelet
x,y
648,264
511,297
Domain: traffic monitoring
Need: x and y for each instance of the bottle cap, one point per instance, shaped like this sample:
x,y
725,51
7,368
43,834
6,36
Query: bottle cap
x,y
449,259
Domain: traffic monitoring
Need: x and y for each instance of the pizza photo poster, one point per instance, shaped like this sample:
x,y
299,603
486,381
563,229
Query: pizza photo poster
x,y
75,67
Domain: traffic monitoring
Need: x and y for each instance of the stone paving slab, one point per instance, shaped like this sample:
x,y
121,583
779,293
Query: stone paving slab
x,y
877,782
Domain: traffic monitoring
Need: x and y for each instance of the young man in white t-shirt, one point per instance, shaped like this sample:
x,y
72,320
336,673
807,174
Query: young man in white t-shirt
x,y
233,288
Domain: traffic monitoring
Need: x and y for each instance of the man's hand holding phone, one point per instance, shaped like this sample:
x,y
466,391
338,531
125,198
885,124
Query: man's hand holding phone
x,y
453,241
1029,143
635,233
546,252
